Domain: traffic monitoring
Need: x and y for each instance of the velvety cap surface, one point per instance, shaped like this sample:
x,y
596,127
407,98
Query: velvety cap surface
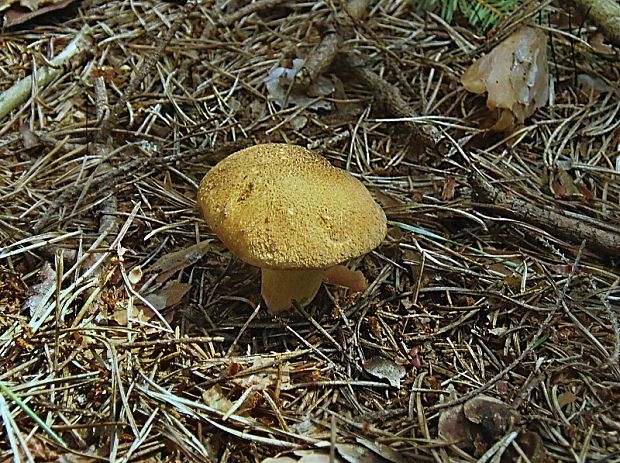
x,y
283,206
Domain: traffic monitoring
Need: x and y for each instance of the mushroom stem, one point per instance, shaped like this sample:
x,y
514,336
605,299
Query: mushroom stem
x,y
280,288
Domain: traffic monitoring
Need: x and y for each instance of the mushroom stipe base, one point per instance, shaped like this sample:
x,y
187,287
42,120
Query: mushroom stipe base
x,y
280,288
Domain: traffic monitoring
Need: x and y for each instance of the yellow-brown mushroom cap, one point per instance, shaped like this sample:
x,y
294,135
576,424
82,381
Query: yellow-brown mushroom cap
x,y
282,206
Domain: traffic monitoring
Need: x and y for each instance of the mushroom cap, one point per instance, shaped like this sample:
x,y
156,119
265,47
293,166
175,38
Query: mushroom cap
x,y
282,206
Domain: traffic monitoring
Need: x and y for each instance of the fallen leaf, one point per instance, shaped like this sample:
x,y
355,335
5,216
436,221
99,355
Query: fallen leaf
x,y
533,446
314,456
454,428
449,188
495,417
171,294
566,398
516,76
214,398
561,269
267,375
352,453
278,86
279,460
15,14
383,450
170,263
135,275
37,293
477,424
564,186
29,138
385,369
342,275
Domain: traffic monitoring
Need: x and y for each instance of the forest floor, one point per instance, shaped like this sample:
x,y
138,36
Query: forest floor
x,y
128,332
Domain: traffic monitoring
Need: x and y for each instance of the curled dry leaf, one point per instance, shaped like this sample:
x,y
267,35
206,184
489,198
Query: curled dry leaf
x,y
342,275
135,275
516,76
481,422
385,369
495,417
477,424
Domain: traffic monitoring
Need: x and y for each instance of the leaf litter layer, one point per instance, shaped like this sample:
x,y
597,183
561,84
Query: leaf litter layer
x,y
128,332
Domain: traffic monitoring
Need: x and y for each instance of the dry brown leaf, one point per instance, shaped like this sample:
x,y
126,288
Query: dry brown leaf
x,y
383,450
492,414
215,398
352,453
32,5
566,398
18,12
37,293
170,263
453,427
449,187
533,446
564,185
139,314
171,294
341,275
477,424
516,76
265,377
135,275
385,369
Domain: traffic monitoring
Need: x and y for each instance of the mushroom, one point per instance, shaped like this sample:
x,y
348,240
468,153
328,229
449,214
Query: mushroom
x,y
288,211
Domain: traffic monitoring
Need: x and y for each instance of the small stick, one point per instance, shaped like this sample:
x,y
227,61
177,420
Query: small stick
x,y
554,222
18,93
248,10
318,61
390,97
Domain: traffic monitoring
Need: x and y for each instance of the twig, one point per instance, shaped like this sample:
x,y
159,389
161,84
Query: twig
x,y
19,92
248,10
318,61
568,228
388,95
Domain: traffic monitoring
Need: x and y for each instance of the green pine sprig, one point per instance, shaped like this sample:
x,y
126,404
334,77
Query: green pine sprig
x,y
483,14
